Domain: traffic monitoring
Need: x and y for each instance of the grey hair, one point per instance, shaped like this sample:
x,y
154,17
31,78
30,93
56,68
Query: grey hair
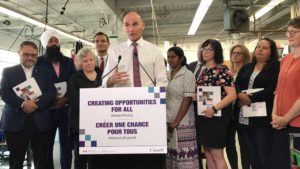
x,y
82,54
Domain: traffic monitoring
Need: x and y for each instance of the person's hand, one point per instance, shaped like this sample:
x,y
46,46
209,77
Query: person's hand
x,y
30,106
172,126
209,113
244,99
194,97
118,78
59,102
279,122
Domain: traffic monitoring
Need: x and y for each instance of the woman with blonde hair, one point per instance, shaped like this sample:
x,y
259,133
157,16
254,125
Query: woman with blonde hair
x,y
87,76
239,56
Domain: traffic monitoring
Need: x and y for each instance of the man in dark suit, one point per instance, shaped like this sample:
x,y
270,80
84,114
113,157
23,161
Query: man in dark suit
x,y
61,68
27,121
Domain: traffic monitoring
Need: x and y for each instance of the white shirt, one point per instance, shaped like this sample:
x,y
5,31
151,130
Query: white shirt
x,y
104,59
27,71
150,56
182,85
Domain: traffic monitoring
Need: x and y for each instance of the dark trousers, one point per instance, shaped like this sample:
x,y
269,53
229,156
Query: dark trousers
x,y
60,120
17,144
231,148
130,161
80,161
200,154
281,158
259,141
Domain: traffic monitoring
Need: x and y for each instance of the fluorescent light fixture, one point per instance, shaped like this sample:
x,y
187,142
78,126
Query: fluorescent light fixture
x,y
265,9
201,12
40,24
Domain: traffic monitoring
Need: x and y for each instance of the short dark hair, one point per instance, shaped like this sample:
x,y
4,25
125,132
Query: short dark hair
x,y
179,52
218,50
295,22
28,43
274,53
99,34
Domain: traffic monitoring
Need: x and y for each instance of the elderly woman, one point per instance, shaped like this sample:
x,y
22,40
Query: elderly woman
x,y
212,130
87,76
180,112
239,56
261,73
286,108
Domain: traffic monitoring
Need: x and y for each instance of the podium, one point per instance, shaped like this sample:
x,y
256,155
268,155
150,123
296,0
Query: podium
x,y
123,121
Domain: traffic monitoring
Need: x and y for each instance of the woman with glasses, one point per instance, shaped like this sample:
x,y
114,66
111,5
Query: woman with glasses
x,y
239,56
260,75
212,130
286,109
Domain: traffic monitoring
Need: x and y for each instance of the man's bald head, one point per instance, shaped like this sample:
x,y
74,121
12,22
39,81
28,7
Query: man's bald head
x,y
133,26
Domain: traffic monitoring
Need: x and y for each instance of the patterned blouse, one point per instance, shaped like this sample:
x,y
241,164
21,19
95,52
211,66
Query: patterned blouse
x,y
216,76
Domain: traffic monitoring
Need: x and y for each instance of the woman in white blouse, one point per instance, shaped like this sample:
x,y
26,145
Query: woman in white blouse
x,y
180,112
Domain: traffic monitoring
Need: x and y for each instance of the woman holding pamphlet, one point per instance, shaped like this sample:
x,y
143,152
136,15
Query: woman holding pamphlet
x,y
286,109
255,85
215,94
239,56
87,76
182,145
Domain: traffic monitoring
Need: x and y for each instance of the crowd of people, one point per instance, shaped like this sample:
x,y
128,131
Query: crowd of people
x,y
259,81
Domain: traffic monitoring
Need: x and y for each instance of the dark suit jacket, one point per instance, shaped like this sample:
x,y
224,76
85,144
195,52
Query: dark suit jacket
x,y
192,66
67,68
266,79
13,118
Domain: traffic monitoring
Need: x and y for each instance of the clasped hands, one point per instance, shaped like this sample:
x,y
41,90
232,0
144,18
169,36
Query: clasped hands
x,y
30,106
279,122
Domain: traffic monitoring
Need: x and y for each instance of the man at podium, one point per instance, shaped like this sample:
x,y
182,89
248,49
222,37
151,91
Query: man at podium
x,y
134,63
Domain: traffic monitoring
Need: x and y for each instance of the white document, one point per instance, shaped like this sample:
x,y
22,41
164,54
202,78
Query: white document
x,y
61,88
250,91
208,96
257,109
172,139
28,90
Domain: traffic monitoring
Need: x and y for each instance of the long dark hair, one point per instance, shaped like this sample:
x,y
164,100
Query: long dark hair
x,y
179,52
274,53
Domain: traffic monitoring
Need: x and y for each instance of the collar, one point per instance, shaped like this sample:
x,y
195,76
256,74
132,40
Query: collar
x,y
24,68
179,73
104,57
140,42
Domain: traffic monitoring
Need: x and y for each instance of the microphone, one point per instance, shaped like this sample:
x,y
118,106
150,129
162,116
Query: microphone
x,y
136,55
119,58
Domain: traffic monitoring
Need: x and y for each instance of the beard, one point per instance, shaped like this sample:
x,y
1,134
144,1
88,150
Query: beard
x,y
53,54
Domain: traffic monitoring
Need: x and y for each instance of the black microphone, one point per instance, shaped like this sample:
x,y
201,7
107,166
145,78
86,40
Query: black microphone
x,y
119,58
136,55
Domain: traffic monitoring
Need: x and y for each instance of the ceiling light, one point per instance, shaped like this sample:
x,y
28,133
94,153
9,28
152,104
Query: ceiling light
x,y
265,9
40,24
201,12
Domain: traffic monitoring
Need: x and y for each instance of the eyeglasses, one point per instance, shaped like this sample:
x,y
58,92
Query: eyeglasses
x,y
206,50
237,53
291,33
27,55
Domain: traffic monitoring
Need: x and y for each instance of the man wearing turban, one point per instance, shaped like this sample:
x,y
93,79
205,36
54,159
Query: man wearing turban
x,y
61,68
